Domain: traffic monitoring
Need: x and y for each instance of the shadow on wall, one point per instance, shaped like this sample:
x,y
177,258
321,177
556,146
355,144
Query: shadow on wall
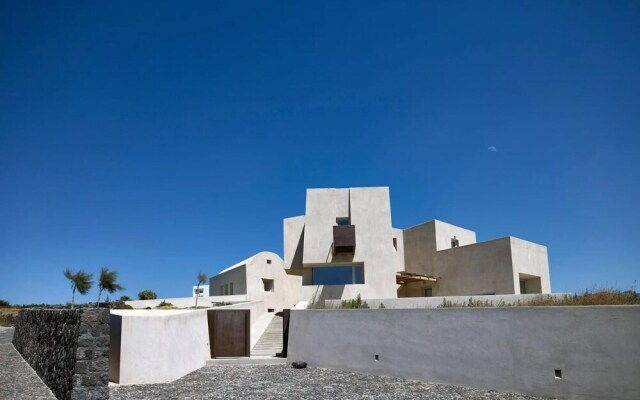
x,y
328,292
297,256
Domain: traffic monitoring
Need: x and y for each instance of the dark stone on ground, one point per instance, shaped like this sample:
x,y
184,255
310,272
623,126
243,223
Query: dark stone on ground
x,y
299,364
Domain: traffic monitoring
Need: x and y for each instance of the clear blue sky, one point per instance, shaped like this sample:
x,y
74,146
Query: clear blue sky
x,y
164,138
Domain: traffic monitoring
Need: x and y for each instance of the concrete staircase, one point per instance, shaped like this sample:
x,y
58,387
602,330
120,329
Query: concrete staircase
x,y
270,342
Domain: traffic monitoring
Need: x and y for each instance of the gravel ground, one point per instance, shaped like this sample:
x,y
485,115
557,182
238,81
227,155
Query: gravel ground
x,y
285,382
17,379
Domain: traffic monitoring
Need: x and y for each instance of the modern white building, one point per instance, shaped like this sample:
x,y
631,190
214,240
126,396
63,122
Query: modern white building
x,y
345,245
260,277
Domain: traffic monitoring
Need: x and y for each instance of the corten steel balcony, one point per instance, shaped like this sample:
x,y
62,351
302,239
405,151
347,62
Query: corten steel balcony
x,y
344,238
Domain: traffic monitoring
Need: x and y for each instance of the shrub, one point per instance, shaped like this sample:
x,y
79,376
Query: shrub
x,y
4,304
119,305
164,303
125,298
354,303
382,306
147,295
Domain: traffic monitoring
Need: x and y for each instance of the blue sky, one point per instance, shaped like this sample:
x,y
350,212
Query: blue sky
x,y
164,138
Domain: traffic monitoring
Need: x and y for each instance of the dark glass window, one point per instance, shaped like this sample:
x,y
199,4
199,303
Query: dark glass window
x,y
343,221
339,275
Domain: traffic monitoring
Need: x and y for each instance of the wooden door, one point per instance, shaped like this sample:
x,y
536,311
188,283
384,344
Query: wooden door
x,y
229,333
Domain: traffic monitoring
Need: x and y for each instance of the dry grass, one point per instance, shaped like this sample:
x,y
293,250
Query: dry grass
x,y
596,297
8,315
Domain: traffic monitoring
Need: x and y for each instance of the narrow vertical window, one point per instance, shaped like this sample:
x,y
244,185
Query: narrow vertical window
x,y
221,290
455,242
395,244
231,288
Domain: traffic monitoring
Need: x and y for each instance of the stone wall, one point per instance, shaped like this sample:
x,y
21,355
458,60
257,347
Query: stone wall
x,y
68,349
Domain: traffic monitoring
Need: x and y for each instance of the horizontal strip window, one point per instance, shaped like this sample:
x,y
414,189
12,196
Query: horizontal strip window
x,y
337,275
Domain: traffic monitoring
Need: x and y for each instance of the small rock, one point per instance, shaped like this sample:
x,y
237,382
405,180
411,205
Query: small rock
x,y
299,364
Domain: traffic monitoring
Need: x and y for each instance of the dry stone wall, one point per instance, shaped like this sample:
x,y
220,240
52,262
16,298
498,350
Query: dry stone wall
x,y
68,349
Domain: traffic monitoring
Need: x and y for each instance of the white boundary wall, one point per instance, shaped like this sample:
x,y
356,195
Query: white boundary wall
x,y
156,346
435,302
508,349
186,302
159,345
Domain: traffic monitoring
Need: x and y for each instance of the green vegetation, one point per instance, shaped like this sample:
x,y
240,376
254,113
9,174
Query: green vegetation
x,y
356,303
382,306
147,295
125,298
202,278
596,297
4,304
80,281
108,282
222,303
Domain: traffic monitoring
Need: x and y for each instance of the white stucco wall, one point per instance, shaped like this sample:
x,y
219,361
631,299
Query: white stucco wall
x,y
513,349
530,259
232,278
285,287
370,212
398,252
160,345
445,232
475,269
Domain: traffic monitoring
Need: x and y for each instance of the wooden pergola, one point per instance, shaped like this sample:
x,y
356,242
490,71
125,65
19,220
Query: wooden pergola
x,y
403,278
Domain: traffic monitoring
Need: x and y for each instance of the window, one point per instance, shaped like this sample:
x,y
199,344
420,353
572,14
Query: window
x,y
268,285
231,288
343,221
338,275
523,287
395,244
226,289
427,292
268,261
455,243
221,290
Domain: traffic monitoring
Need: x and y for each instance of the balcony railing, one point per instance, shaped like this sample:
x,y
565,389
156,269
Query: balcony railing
x,y
344,238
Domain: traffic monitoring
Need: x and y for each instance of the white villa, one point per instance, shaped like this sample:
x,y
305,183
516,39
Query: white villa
x,y
345,245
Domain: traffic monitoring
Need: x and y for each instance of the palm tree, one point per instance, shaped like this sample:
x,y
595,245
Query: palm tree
x,y
80,281
108,282
202,278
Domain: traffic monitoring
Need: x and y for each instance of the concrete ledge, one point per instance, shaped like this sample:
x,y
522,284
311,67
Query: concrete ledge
x,y
186,302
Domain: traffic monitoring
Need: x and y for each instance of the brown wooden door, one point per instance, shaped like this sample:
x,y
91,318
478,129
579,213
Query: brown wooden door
x,y
229,333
